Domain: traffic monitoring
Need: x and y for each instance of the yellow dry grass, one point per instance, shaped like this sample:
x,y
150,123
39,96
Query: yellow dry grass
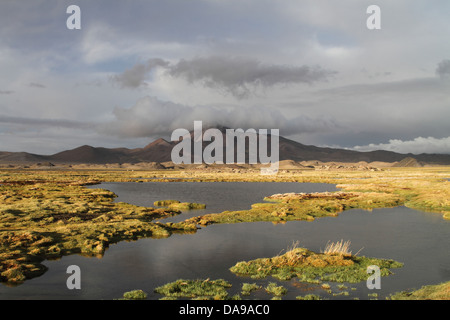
x,y
338,248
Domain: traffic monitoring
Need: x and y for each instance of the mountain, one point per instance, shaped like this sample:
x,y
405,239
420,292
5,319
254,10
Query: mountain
x,y
292,150
13,157
160,151
157,151
88,154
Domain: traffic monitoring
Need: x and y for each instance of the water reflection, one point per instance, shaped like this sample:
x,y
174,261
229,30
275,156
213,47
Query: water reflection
x,y
419,240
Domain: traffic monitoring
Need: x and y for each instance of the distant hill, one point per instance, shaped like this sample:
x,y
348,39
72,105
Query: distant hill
x,y
88,154
157,151
409,162
14,157
160,151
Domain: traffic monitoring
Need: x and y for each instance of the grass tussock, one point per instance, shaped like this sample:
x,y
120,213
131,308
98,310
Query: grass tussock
x,y
276,290
338,248
312,267
248,288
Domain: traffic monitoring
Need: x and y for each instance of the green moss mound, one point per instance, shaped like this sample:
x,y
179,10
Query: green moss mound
x,y
187,206
313,267
164,203
177,205
195,289
275,290
431,292
135,295
247,288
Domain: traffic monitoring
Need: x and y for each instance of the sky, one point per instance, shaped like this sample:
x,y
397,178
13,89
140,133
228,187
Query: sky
x,y
137,70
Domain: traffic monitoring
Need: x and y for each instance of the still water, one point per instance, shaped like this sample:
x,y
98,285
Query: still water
x,y
419,240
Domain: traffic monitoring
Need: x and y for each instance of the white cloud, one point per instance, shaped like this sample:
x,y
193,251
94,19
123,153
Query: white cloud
x,y
416,146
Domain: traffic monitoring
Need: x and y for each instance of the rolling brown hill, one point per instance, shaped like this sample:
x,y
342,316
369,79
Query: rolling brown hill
x,y
88,154
15,157
157,151
160,151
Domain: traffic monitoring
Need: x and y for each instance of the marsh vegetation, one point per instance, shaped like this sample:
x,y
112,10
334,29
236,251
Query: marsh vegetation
x,y
50,214
195,289
336,264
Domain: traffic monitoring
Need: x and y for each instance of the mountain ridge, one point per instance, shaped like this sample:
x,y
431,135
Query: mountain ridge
x,y
160,149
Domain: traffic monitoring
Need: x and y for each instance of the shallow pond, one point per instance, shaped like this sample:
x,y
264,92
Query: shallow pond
x,y
218,196
419,240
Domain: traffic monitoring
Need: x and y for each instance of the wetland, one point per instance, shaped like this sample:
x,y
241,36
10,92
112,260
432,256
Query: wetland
x,y
50,220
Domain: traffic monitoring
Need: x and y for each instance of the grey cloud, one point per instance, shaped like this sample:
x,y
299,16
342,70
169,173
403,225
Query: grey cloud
x,y
151,116
37,85
443,69
136,75
238,76
45,122
37,46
